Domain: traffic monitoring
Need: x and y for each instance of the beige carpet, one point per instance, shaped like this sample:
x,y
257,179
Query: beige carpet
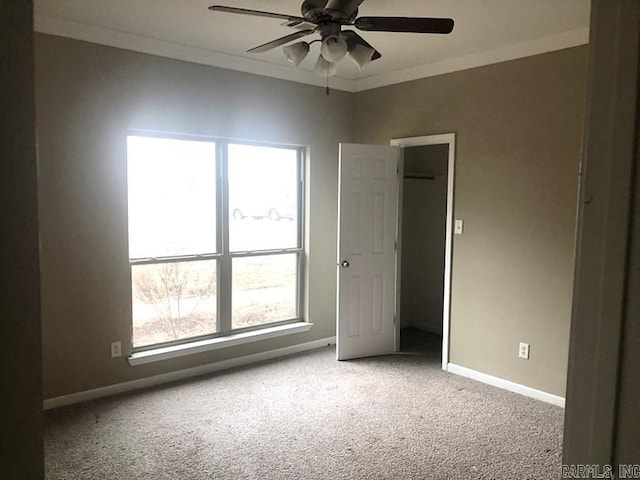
x,y
310,417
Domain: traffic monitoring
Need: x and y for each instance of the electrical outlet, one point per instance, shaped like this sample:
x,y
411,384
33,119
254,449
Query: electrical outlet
x,y
116,349
524,351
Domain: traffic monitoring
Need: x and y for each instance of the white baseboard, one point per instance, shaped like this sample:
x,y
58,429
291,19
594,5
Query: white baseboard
x,y
506,385
183,374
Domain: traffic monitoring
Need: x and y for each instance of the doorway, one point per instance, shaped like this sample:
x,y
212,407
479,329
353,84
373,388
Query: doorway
x,y
369,267
425,226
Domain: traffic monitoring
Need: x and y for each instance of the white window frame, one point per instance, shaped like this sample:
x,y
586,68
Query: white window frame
x,y
225,335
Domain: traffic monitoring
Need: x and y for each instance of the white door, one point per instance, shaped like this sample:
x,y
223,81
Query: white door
x,y
367,226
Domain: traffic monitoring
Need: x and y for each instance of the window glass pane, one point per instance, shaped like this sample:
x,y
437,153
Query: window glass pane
x,y
173,301
263,198
264,290
172,197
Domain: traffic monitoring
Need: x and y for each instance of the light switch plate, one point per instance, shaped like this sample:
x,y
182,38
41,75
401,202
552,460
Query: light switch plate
x,y
459,227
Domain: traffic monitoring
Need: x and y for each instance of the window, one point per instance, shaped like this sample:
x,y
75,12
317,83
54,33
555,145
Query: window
x,y
215,237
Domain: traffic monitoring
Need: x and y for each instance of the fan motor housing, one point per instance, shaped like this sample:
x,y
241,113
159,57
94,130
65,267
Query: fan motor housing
x,y
314,11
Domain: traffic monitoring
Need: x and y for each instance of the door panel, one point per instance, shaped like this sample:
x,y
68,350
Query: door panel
x,y
367,226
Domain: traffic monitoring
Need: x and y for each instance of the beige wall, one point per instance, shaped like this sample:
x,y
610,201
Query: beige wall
x,y
21,449
518,124
519,127
424,215
87,98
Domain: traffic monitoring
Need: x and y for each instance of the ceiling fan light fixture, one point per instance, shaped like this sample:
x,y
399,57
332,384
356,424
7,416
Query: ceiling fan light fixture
x,y
326,18
334,48
361,55
297,52
324,68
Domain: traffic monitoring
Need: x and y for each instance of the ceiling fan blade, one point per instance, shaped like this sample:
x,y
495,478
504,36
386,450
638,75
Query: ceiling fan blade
x,y
404,24
256,13
352,38
280,41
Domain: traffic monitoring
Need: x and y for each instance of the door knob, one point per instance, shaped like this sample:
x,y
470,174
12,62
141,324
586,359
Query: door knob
x,y
345,264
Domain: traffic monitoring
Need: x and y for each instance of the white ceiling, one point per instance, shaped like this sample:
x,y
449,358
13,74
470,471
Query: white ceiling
x,y
486,31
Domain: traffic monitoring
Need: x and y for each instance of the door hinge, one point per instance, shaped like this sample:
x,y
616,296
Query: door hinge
x,y
394,319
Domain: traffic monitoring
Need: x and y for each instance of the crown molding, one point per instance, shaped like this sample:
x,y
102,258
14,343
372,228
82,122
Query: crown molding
x,y
137,43
571,38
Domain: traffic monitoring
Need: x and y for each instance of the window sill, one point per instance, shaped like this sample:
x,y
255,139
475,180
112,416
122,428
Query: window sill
x,y
175,351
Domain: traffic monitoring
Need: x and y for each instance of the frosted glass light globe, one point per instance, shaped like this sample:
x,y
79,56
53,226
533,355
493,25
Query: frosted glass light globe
x,y
324,68
333,49
297,52
361,55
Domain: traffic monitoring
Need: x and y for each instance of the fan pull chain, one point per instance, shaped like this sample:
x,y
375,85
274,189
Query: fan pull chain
x,y
327,91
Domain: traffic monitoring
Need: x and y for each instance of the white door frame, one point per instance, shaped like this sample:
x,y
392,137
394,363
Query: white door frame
x,y
442,139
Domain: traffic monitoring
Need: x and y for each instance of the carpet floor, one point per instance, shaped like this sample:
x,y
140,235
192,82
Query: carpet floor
x,y
310,417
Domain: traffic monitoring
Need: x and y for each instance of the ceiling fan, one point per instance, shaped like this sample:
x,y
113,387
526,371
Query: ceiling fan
x,y
328,17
